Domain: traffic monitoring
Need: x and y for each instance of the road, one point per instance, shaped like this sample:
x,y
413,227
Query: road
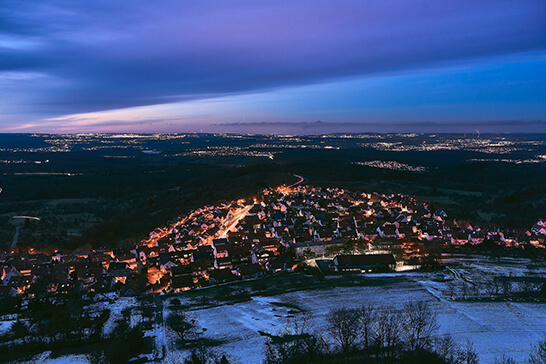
x,y
233,221
297,183
15,237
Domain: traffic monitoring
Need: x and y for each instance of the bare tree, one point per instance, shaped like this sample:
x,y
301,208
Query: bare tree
x,y
182,323
468,355
497,284
451,289
367,322
464,289
294,343
419,325
538,353
446,348
204,355
476,288
505,360
387,335
344,327
451,353
491,287
506,286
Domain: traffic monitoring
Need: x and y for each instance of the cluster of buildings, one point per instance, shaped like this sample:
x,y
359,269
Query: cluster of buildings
x,y
394,165
246,239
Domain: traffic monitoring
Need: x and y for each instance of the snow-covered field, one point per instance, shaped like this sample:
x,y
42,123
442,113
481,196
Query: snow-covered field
x,y
44,358
5,326
495,328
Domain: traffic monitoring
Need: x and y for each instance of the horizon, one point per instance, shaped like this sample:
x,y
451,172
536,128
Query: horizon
x,y
319,128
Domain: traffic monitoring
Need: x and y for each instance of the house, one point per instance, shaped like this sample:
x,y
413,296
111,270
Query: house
x,y
224,262
135,284
260,255
12,273
271,245
459,238
184,282
364,262
204,253
104,285
127,257
119,271
166,263
252,270
388,231
315,247
276,265
221,276
181,270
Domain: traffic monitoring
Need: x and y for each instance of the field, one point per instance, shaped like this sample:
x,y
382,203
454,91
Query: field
x,y
495,328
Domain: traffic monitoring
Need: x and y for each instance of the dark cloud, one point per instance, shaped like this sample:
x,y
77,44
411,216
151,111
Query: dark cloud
x,y
103,54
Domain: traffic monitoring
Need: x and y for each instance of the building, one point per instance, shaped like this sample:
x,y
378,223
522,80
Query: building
x,y
364,263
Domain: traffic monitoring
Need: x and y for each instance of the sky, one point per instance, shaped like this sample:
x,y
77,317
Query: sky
x,y
272,66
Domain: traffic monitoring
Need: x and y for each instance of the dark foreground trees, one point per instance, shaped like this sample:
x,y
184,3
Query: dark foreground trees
x,y
419,325
295,343
344,327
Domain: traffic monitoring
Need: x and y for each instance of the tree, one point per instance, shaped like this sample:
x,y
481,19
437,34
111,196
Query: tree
x,y
451,353
505,360
467,355
19,330
419,325
293,344
476,289
344,327
451,289
367,317
538,353
182,324
203,355
129,341
446,348
491,287
387,334
506,287
464,289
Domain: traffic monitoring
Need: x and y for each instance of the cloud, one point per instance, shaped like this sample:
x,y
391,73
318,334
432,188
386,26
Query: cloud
x,y
104,55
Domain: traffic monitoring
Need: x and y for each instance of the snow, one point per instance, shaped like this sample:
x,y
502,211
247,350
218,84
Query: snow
x,y
495,328
44,358
115,308
5,326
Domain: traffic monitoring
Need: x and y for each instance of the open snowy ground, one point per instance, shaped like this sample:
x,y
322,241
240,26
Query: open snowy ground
x,y
44,358
495,328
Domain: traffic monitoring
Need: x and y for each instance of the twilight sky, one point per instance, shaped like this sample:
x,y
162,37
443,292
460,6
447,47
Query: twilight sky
x,y
188,65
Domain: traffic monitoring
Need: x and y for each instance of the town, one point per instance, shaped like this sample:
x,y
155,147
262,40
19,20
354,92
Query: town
x,y
279,230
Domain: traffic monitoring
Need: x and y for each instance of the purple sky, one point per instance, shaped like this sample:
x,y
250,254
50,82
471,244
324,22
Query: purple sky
x,y
177,66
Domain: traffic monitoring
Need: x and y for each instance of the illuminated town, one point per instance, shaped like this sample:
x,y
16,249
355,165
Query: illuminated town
x,y
279,229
